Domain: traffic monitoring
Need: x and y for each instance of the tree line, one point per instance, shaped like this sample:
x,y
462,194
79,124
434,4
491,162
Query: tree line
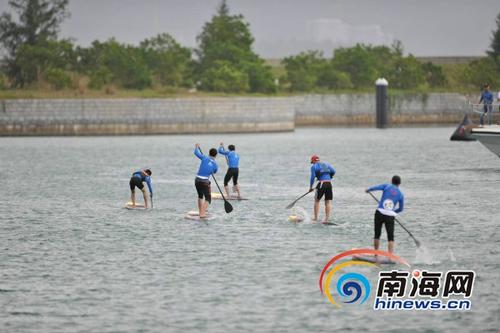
x,y
223,61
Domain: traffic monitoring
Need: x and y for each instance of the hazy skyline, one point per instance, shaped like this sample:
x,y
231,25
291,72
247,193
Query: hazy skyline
x,y
281,28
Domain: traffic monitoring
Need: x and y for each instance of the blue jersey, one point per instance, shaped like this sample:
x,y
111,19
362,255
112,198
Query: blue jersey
x,y
208,166
232,157
391,197
486,97
144,178
322,171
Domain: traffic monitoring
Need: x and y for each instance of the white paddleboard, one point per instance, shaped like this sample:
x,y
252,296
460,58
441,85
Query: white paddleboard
x,y
218,196
195,215
373,259
128,205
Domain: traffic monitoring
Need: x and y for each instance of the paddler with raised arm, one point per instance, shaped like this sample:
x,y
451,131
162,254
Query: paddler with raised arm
x,y
208,166
324,173
233,162
138,178
390,204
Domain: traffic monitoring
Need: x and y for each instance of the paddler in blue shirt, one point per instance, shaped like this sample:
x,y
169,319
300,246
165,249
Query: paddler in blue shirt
x,y
233,162
391,204
208,166
137,180
324,173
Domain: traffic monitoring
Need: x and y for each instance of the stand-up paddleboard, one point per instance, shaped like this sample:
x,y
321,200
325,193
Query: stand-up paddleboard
x,y
373,259
295,218
129,205
218,196
195,215
327,223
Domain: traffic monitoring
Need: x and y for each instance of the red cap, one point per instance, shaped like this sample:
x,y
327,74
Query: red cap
x,y
314,158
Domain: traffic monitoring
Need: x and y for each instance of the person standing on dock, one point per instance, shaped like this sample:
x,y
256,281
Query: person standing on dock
x,y
324,173
208,166
137,180
386,211
487,100
233,162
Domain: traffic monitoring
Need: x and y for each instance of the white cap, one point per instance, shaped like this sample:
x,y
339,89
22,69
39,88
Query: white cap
x,y
381,82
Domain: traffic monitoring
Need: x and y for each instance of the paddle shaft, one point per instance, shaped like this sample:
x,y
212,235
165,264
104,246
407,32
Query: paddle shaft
x,y
293,203
417,242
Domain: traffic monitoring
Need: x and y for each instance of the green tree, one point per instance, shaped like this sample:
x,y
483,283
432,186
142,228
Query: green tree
x,y
227,39
167,60
359,62
303,70
222,76
495,40
434,75
481,71
113,62
33,61
37,23
407,73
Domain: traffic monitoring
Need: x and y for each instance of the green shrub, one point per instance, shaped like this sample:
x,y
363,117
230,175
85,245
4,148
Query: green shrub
x,y
100,78
58,78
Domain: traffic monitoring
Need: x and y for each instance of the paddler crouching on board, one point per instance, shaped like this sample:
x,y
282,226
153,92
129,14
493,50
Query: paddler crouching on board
x,y
137,180
233,162
386,211
208,166
324,172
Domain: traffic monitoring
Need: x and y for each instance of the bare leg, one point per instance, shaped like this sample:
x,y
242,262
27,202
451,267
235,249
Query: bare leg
x,y
376,243
144,194
328,209
226,188
205,207
316,210
390,247
238,190
201,208
132,197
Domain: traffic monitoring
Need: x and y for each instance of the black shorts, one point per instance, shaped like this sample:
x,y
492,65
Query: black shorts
x,y
324,188
231,173
389,225
136,182
203,189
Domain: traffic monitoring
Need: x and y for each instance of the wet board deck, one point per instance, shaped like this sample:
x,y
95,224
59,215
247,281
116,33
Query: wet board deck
x,y
373,259
194,215
218,196
128,205
327,223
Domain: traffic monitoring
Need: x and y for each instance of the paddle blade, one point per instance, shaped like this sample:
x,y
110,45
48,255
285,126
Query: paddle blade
x,y
290,205
228,207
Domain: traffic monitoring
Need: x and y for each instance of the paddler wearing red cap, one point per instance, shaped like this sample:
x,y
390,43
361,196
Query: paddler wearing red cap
x,y
323,172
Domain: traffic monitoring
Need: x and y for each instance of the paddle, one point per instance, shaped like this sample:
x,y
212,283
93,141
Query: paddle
x,y
293,203
151,196
417,242
227,206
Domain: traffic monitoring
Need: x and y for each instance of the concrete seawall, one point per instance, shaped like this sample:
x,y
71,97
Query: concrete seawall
x,y
359,109
145,116
217,114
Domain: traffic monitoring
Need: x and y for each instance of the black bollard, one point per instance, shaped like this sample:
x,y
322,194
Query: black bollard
x,y
381,101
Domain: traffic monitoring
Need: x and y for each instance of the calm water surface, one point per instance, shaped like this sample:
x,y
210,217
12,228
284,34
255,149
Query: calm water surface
x,y
73,260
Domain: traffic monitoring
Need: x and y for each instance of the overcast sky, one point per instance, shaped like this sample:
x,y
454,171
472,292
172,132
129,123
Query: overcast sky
x,y
284,27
